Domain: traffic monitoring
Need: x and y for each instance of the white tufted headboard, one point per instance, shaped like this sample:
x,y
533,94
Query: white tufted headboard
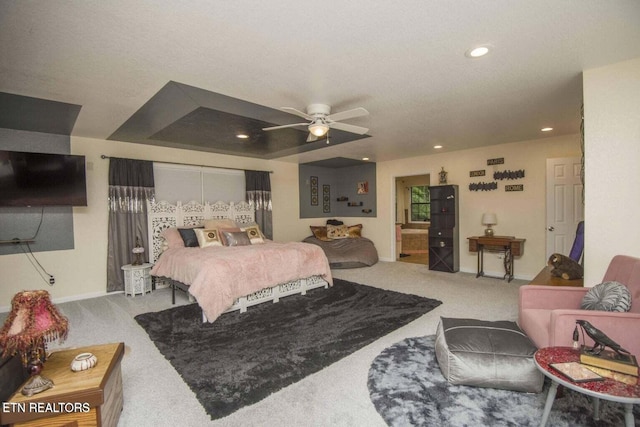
x,y
163,215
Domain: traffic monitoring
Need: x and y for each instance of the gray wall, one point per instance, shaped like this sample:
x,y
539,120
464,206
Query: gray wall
x,y
343,182
56,230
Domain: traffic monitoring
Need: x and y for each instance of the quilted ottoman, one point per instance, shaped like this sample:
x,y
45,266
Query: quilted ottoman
x,y
487,354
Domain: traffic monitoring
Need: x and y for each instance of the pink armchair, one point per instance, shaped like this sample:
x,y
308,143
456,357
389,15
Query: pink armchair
x,y
548,314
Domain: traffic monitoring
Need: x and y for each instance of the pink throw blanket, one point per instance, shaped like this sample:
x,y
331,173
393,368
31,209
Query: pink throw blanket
x,y
219,275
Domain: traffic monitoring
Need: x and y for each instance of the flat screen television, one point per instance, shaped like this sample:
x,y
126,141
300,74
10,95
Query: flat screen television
x,y
39,179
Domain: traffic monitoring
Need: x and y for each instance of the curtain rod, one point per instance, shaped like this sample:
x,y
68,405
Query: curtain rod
x,y
191,164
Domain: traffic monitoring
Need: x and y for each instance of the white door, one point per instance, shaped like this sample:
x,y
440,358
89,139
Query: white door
x,y
564,203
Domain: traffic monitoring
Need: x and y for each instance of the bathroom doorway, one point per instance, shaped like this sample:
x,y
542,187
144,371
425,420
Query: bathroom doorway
x,y
412,219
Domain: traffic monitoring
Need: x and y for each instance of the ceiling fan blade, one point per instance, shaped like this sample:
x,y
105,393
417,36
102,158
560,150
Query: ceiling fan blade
x,y
286,126
349,114
349,128
311,137
297,112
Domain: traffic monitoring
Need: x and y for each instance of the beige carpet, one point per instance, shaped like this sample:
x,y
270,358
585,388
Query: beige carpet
x,y
155,395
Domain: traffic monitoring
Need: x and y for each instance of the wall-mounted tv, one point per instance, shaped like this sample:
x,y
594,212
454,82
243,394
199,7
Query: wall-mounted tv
x,y
40,179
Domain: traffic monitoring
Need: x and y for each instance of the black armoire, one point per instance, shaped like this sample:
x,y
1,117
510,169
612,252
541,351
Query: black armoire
x,y
444,250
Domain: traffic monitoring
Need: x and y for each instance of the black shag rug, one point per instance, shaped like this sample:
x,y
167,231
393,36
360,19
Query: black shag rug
x,y
240,359
408,389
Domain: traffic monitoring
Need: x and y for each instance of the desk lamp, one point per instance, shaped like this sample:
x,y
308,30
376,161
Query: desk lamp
x,y
32,323
489,219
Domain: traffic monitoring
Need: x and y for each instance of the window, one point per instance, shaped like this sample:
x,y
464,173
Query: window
x,y
201,184
420,203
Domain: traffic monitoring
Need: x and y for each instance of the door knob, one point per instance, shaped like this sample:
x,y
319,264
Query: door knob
x,y
550,228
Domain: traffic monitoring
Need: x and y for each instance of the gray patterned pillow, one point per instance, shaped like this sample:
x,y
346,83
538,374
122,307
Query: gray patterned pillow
x,y
607,296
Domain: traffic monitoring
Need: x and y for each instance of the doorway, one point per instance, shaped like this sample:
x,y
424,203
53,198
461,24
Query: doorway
x,y
565,207
412,218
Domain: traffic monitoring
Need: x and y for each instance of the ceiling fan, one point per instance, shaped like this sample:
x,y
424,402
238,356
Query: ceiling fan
x,y
320,120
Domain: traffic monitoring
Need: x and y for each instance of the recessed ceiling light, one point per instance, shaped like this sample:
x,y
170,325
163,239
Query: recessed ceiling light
x,y
546,129
437,147
365,158
242,136
477,52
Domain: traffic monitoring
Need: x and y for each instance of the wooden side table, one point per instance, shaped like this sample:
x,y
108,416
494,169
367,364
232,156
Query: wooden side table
x,y
545,278
137,279
86,398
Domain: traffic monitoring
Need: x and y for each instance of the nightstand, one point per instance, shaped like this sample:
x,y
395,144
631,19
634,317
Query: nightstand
x,y
137,279
86,398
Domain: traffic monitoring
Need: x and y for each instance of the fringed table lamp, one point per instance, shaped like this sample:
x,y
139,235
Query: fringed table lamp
x,y
32,323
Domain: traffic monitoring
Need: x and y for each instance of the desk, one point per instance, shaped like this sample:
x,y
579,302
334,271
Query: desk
x,y
511,246
86,398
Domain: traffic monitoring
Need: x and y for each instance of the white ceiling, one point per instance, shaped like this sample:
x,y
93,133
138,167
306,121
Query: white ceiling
x,y
403,61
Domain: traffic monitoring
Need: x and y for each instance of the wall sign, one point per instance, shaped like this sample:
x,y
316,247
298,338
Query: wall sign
x,y
498,161
483,186
515,187
509,174
476,173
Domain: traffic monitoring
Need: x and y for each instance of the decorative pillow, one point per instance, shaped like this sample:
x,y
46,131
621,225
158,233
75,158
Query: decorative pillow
x,y
236,238
223,236
607,296
334,222
172,237
207,237
355,231
337,231
254,234
320,233
217,224
189,237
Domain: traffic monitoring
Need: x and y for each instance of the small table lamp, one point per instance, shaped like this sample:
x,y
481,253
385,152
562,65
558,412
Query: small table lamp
x,y
32,323
138,250
489,219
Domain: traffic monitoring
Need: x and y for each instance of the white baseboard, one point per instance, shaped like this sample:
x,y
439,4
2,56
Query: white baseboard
x,y
7,308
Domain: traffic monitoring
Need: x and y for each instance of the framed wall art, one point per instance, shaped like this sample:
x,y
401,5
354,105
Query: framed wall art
x,y
313,181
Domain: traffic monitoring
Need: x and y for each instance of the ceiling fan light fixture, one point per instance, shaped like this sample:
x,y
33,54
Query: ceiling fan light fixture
x,y
318,128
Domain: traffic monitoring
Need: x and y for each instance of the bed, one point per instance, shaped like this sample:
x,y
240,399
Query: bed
x,y
344,246
226,278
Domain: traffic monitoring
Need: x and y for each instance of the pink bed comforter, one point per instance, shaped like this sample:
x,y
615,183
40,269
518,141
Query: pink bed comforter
x,y
219,275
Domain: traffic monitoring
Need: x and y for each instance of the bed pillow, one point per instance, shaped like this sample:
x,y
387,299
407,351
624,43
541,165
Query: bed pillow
x,y
337,231
607,296
255,236
208,237
219,223
189,237
236,238
320,233
172,238
223,236
355,231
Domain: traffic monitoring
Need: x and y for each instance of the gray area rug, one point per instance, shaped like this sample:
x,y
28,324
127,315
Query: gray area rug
x,y
242,358
407,389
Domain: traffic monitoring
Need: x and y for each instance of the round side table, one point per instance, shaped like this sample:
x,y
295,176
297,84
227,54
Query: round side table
x,y
608,389
137,279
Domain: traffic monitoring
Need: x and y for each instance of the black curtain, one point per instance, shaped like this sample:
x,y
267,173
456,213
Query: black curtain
x,y
258,188
131,185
